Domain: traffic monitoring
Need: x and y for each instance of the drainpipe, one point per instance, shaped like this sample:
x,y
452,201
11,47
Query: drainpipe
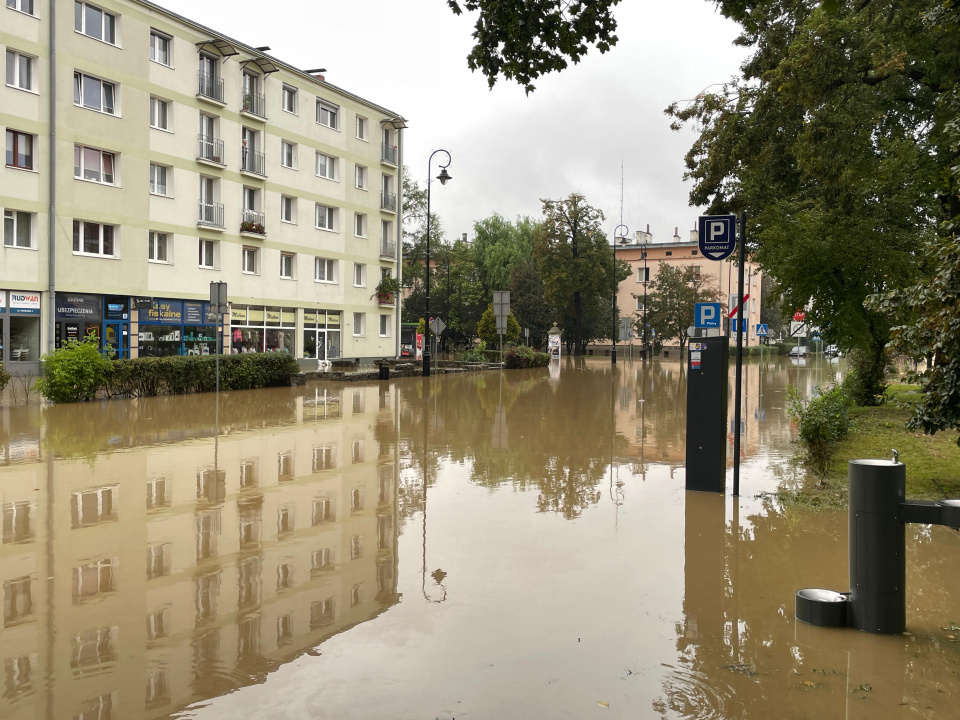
x,y
399,249
51,218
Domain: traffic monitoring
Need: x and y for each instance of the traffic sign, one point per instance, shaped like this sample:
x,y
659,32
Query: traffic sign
x,y
707,315
799,316
761,329
736,304
437,325
798,328
736,325
717,235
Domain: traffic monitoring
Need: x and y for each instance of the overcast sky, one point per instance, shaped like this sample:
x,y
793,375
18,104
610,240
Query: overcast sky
x,y
509,149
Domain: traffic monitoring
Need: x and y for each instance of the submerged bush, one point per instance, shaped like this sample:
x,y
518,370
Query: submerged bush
x,y
822,422
522,356
4,377
74,372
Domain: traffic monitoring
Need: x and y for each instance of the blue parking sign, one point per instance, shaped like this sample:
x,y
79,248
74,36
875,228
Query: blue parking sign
x,y
706,315
717,235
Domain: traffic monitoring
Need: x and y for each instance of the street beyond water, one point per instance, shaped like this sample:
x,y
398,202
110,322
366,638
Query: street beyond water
x,y
491,545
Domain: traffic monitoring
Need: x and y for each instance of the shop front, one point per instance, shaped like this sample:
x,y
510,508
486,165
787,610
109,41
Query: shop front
x,y
176,327
19,327
258,328
321,334
102,318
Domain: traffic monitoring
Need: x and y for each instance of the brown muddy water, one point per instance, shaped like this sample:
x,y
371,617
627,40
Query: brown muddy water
x,y
277,556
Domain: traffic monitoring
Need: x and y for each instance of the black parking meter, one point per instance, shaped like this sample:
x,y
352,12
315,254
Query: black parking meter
x,y
707,360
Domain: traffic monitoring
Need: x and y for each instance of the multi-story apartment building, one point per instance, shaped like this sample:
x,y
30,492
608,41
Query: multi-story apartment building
x,y
644,256
169,156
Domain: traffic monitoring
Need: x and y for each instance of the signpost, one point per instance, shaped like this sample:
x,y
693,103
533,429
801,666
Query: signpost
x,y
761,330
501,311
717,235
219,307
437,326
706,315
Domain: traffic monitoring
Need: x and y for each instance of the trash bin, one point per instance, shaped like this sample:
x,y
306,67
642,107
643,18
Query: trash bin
x,y
384,371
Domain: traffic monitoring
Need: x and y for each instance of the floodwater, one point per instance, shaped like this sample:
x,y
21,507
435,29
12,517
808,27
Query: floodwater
x,y
472,546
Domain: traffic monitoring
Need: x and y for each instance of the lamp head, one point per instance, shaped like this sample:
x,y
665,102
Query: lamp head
x,y
444,176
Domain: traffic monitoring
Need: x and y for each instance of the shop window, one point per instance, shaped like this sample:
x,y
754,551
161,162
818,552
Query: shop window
x,y
94,239
20,149
18,228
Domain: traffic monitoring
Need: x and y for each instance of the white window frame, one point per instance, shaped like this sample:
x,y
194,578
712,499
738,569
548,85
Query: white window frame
x,y
641,271
156,35
284,144
359,321
201,259
384,325
359,275
101,172
155,241
639,304
78,92
359,225
361,175
290,260
250,260
14,219
329,270
330,166
155,106
328,114
291,91
165,190
363,128
17,5
17,73
291,201
104,15
329,214
78,247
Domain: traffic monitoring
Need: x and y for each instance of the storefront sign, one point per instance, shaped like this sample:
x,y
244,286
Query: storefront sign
x,y
116,311
309,317
289,318
22,303
255,316
193,313
333,320
238,315
165,311
3,301
273,316
142,303
78,305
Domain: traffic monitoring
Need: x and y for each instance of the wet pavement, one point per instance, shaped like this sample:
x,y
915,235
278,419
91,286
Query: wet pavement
x,y
481,546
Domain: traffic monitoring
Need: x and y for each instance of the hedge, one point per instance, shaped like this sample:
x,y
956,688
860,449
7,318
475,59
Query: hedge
x,y
522,356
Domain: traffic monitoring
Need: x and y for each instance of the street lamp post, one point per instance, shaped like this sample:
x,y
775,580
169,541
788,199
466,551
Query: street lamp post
x,y
621,232
442,177
643,254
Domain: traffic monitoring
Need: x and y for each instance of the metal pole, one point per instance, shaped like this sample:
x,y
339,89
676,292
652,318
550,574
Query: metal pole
x,y
443,177
739,373
619,232
643,349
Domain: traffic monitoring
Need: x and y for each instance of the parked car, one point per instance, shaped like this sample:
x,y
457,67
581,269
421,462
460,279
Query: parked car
x,y
800,351
832,351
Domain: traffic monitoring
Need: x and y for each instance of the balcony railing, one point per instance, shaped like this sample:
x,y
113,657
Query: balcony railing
x,y
210,149
254,162
210,86
388,153
388,201
388,248
211,214
255,104
251,221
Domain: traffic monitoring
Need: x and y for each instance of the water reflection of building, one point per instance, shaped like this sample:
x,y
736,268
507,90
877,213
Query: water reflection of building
x,y
138,582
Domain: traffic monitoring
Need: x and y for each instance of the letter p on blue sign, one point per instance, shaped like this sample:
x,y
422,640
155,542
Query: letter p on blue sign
x,y
707,315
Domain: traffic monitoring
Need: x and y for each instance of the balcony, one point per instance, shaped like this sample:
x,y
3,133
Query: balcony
x,y
251,223
254,163
388,248
211,215
210,150
254,104
386,299
388,153
210,87
388,201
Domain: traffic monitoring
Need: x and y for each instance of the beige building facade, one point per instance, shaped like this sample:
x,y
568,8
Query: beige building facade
x,y
170,156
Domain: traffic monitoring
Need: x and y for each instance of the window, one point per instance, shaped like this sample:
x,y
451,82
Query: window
x,y
384,326
160,48
360,225
288,99
358,322
159,114
356,547
361,177
94,22
324,458
323,509
20,70
693,252
639,304
359,275
159,174
157,247
17,601
327,113
288,209
669,253
288,154
206,253
361,128
250,257
325,270
94,239
643,274
326,217
158,491
696,270
286,266
24,6
90,507
321,559
94,94
326,166
17,229
19,150
93,165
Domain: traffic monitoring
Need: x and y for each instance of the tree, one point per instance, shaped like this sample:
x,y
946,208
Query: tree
x,y
527,302
525,39
671,300
487,328
466,299
500,246
415,250
576,266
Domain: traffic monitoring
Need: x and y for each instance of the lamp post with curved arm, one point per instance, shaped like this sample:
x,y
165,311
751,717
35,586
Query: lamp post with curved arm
x,y
442,177
619,232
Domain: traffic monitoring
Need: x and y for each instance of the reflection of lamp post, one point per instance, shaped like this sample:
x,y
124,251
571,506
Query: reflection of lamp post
x,y
643,254
442,177
620,231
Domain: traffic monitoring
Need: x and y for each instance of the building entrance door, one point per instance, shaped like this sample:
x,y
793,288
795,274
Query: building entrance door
x,y
114,339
